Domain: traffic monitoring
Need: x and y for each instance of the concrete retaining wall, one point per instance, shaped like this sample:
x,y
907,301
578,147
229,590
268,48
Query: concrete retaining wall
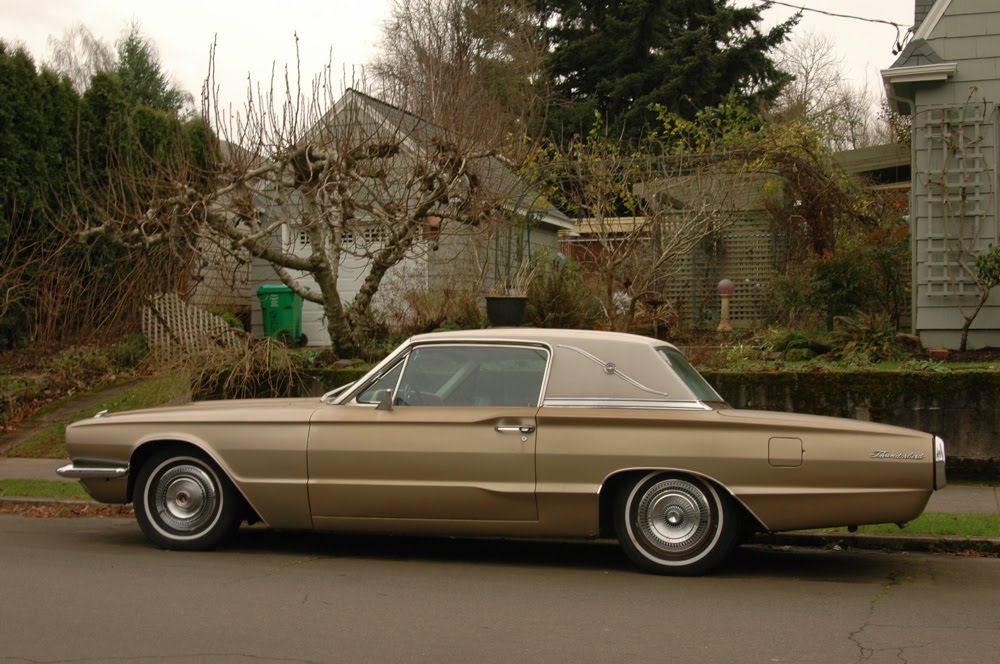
x,y
963,408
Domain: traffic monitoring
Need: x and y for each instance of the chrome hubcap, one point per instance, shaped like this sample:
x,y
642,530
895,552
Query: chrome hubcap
x,y
674,516
186,498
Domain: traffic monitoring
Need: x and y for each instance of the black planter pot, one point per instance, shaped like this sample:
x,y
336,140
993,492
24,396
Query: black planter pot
x,y
506,310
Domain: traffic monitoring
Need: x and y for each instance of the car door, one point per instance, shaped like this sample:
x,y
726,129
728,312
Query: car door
x,y
446,433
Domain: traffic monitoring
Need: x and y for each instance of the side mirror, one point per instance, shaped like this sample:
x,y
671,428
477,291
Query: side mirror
x,y
385,403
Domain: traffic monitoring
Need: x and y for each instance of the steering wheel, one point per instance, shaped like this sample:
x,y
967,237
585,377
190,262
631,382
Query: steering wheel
x,y
407,396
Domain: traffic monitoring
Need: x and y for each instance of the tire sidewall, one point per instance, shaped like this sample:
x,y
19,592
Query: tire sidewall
x,y
223,523
717,544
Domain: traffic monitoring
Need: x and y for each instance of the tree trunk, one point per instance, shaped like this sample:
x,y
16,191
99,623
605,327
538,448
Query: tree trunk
x,y
359,316
984,294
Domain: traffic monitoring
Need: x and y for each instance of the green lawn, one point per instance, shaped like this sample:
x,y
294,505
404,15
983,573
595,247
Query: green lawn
x,y
42,489
937,524
49,443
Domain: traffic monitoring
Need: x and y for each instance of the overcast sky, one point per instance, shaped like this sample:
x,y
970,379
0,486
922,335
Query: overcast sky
x,y
254,36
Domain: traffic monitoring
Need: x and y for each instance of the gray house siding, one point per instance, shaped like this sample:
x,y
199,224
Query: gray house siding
x,y
920,9
955,148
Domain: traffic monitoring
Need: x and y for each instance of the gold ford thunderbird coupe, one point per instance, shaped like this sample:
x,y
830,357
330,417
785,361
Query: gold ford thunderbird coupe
x,y
508,433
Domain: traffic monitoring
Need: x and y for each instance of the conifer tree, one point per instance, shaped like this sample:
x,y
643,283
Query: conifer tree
x,y
616,58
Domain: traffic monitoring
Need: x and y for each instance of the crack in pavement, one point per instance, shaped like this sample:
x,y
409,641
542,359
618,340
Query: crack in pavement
x,y
894,577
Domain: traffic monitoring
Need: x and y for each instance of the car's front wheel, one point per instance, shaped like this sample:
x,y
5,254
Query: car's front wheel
x,y
183,502
675,524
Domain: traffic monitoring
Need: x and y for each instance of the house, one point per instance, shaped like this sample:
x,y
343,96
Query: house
x,y
456,256
883,168
948,80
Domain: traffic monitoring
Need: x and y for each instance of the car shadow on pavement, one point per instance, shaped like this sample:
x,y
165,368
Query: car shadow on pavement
x,y
748,561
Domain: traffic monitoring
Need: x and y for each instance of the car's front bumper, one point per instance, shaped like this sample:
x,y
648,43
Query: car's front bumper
x,y
105,481
104,471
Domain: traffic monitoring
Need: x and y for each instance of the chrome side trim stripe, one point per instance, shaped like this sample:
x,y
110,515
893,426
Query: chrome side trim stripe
x,y
612,370
626,403
92,472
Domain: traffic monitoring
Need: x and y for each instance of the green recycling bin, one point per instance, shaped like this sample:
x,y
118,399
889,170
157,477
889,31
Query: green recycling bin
x,y
281,308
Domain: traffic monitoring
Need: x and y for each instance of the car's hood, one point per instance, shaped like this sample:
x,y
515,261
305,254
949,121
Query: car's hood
x,y
233,410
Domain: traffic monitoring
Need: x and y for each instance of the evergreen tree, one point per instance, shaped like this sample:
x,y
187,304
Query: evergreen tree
x,y
36,120
617,58
63,160
38,113
141,74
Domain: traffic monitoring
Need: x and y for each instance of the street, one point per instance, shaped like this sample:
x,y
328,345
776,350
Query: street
x,y
93,590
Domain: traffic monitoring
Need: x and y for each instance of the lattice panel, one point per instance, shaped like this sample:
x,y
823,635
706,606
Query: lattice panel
x,y
746,253
958,211
174,327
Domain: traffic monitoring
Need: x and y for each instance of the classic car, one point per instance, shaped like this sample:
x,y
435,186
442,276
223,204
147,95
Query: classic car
x,y
508,433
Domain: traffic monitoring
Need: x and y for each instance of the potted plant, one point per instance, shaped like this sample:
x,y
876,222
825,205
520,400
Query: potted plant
x,y
507,301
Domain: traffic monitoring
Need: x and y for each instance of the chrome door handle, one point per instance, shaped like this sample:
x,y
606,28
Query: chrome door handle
x,y
524,428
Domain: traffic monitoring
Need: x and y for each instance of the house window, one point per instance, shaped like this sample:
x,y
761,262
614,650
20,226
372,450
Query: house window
x,y
373,234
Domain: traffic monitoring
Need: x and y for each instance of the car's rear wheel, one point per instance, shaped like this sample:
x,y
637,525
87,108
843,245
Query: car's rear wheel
x,y
675,524
182,501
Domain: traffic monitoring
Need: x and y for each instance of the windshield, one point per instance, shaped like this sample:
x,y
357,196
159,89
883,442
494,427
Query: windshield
x,y
698,385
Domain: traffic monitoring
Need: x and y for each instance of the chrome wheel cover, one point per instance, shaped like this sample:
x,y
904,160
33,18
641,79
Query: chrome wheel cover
x,y
185,499
674,516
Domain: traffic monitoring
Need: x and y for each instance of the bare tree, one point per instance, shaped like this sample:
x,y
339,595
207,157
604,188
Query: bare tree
x,y
447,56
308,182
821,95
642,214
79,54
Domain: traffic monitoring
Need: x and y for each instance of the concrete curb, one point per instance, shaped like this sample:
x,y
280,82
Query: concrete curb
x,y
921,543
23,500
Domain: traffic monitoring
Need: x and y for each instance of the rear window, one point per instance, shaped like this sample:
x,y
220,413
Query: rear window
x,y
689,375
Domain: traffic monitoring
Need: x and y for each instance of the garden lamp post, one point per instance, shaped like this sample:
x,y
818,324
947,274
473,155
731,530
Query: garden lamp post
x,y
726,288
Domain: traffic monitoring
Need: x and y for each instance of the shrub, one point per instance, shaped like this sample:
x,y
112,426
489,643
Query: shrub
x,y
866,338
558,295
259,368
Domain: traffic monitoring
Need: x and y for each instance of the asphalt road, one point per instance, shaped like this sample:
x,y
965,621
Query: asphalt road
x,y
92,590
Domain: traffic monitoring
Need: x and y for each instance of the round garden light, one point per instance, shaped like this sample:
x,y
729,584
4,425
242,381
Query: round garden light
x,y
726,288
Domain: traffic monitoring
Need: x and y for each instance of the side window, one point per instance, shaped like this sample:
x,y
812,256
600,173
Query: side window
x,y
387,383
484,376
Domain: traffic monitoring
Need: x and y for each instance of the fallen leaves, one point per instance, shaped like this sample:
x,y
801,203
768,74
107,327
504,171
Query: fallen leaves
x,y
41,510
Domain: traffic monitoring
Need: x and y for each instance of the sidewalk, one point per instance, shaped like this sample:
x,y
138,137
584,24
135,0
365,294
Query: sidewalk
x,y
31,469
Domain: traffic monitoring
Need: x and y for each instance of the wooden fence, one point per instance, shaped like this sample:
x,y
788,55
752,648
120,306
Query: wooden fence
x,y
174,328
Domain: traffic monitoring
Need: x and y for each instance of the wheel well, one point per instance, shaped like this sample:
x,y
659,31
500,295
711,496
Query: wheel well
x,y
143,453
612,486
617,482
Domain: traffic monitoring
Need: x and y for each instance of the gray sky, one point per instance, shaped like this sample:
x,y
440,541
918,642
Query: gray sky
x,y
255,35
